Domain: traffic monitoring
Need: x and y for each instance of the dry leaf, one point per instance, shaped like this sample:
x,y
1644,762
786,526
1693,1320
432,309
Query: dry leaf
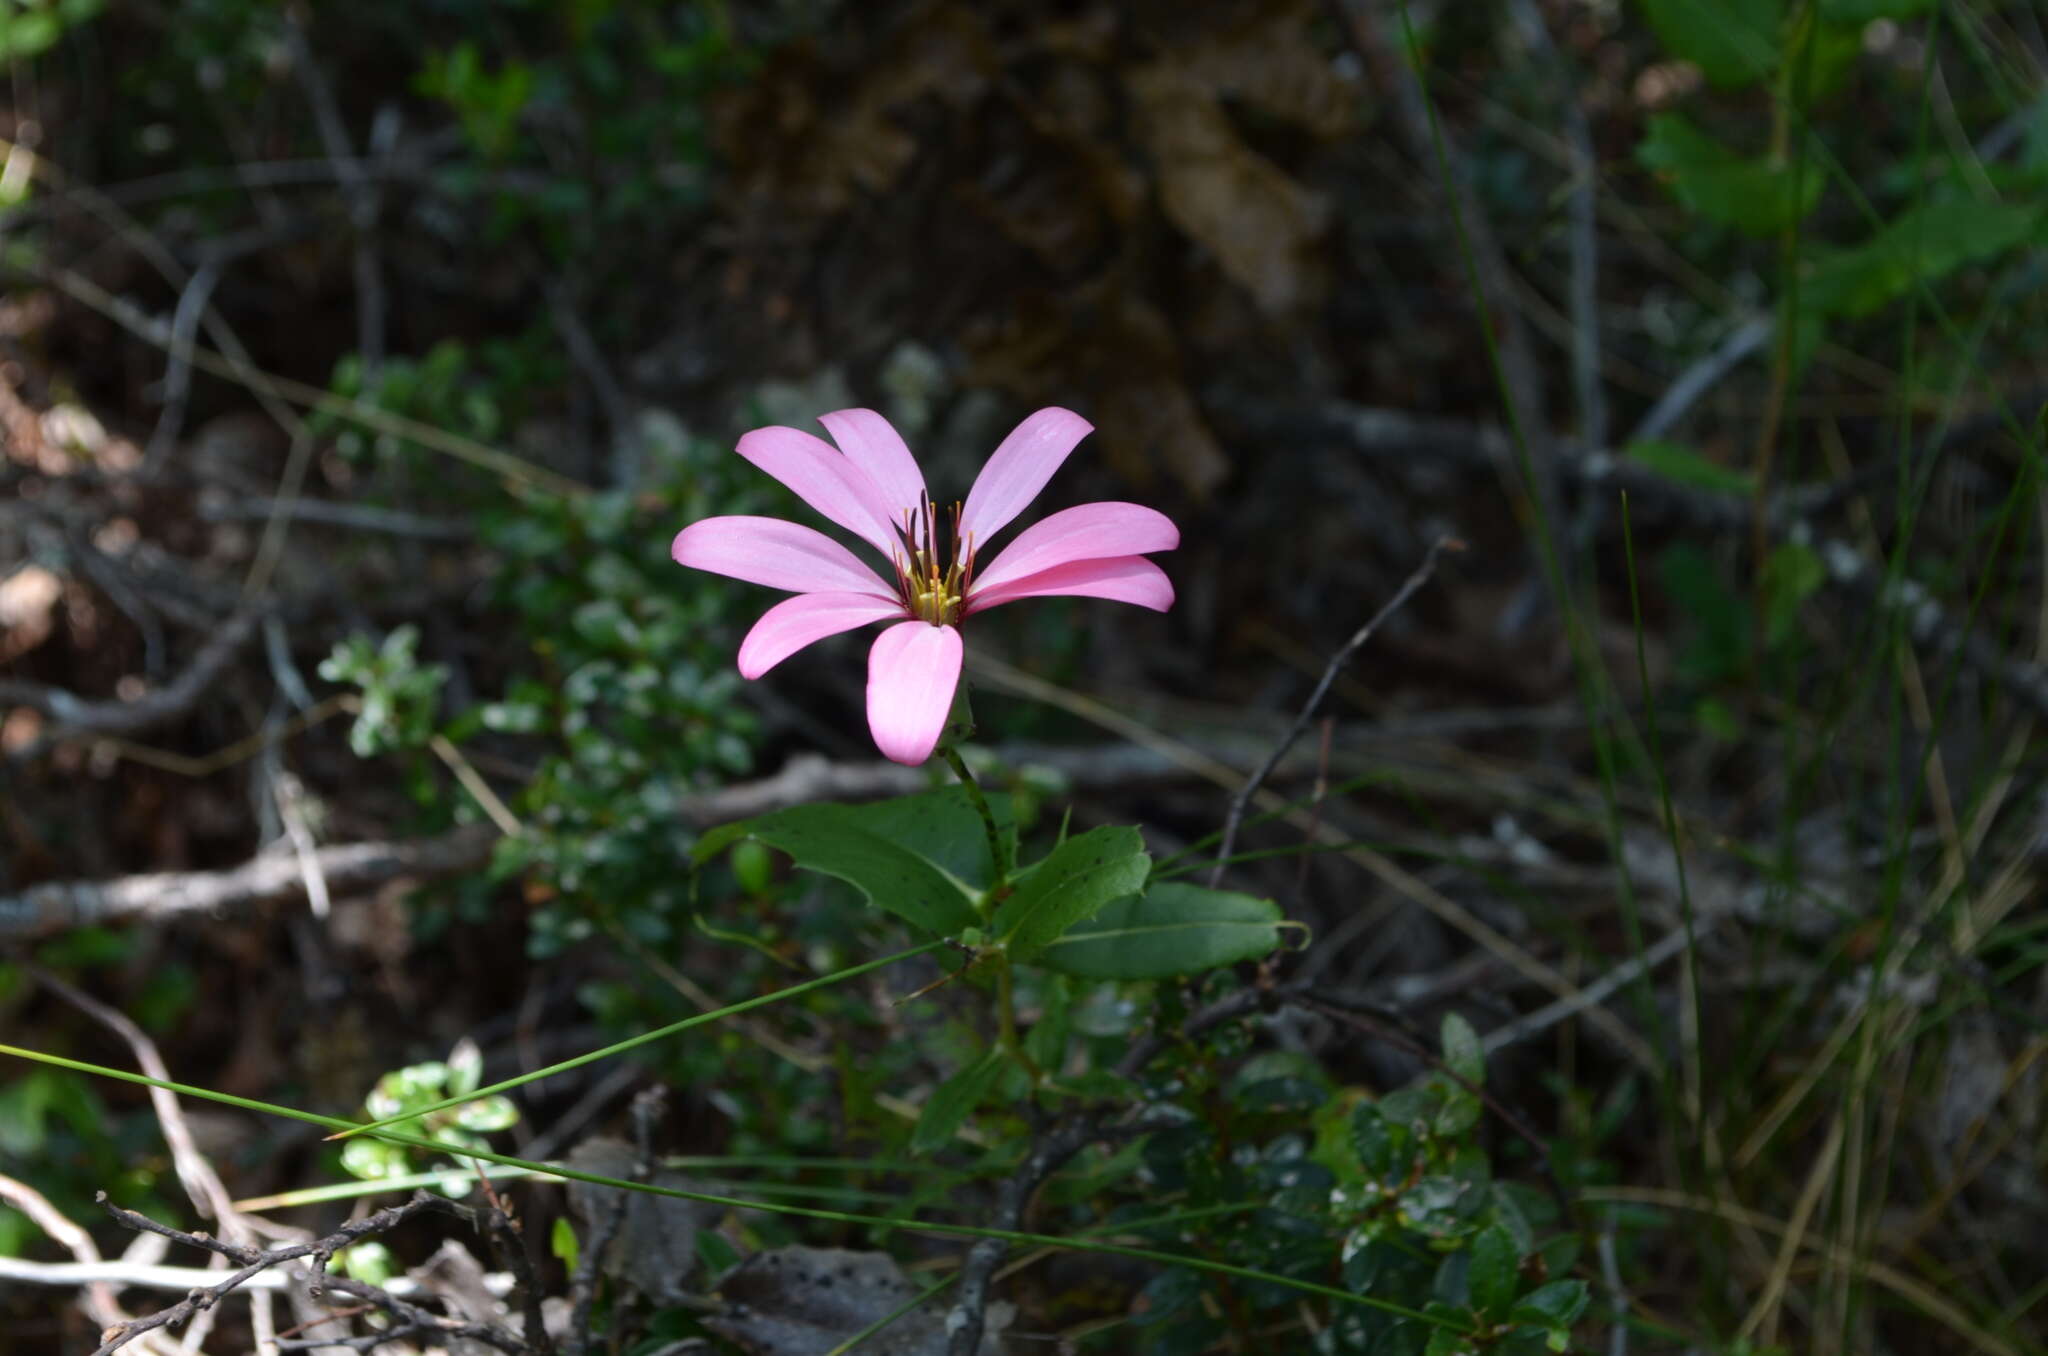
x,y
1260,225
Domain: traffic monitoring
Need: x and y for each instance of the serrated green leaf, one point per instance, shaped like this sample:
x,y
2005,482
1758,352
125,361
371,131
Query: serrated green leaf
x,y
953,1101
1172,929
1733,42
1494,1272
1077,881
1761,195
906,858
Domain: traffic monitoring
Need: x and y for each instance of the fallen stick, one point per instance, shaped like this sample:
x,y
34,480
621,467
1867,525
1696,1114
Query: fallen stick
x,y
59,906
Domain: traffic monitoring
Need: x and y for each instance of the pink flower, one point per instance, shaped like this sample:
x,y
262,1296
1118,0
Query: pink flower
x,y
870,485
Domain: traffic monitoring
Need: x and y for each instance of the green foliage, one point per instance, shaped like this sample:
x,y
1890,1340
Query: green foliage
x,y
1863,11
1733,42
399,694
1685,466
419,1086
488,102
954,1100
860,844
1071,885
1917,247
1171,929
1395,1196
449,387
1761,196
28,28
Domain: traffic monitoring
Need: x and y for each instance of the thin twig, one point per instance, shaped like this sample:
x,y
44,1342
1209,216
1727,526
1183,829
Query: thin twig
x,y
179,1280
195,1173
273,390
99,1302
1599,991
1702,377
359,517
79,715
1336,665
1585,227
359,189
253,1260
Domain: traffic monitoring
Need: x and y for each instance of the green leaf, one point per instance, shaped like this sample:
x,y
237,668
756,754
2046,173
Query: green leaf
x,y
562,1243
1381,1145
1495,1270
915,857
1717,646
1449,1341
487,1114
1863,11
1681,464
1172,929
1459,1113
953,1101
1554,1308
1922,244
1070,886
944,828
1761,196
1732,41
1791,575
1046,1041
465,1068
1463,1054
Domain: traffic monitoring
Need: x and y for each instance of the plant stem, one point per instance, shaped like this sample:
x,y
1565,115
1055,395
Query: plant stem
x,y
1006,1023
997,857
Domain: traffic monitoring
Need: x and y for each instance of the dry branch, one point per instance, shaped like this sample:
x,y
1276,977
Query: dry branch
x,y
61,905
410,1318
82,716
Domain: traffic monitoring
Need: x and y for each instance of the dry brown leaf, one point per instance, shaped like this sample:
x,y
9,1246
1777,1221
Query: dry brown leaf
x,y
1120,352
799,141
1260,225
1270,62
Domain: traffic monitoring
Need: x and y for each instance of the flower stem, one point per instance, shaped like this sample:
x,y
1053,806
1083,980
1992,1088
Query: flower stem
x,y
997,856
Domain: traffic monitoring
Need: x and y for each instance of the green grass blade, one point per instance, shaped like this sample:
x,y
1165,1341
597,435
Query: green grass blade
x,y
740,1203
759,1001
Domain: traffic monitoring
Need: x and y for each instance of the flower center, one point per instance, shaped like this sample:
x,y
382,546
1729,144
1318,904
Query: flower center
x,y
933,587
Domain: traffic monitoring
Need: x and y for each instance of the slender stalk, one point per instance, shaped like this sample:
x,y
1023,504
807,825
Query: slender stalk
x,y
998,856
569,1174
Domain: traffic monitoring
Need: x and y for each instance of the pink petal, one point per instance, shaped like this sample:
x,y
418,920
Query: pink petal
x,y
823,479
796,622
912,672
772,552
1123,579
1019,469
1086,532
871,444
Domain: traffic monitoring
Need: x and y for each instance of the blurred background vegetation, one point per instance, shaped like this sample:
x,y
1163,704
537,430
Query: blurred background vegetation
x,y
358,362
